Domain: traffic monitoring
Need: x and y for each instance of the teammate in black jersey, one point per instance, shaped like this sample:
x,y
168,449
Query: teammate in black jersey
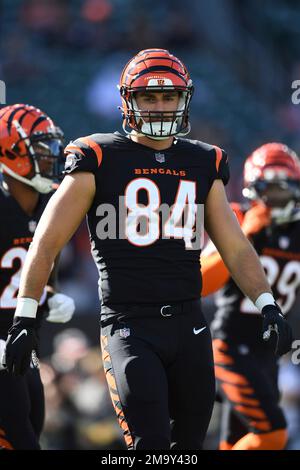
x,y
142,194
30,148
245,369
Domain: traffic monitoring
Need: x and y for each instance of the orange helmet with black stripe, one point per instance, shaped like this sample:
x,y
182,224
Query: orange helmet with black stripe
x,y
30,146
272,175
155,70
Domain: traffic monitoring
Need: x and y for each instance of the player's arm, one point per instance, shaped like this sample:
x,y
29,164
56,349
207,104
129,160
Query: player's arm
x,y
61,218
58,307
236,251
239,256
214,272
53,278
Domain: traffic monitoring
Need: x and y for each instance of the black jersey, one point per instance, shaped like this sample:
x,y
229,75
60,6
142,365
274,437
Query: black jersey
x,y
16,232
154,263
278,247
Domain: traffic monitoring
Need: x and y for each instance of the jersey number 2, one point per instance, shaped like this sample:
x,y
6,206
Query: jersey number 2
x,y
8,299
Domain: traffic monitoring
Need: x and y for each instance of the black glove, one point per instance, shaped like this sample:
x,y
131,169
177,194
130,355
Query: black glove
x,y
276,330
21,344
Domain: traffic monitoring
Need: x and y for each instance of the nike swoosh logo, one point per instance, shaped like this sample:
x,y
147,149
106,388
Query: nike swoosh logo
x,y
23,332
196,332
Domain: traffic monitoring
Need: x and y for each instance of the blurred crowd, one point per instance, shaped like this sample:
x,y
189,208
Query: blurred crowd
x,y
79,414
65,56
243,57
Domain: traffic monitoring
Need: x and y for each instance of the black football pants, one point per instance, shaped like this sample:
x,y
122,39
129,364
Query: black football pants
x,y
21,410
159,368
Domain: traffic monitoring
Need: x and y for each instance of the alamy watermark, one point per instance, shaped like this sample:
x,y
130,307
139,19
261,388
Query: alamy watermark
x,y
2,92
296,93
143,225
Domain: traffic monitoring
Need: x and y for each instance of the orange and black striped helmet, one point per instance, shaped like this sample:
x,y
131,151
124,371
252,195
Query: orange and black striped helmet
x,y
30,146
155,70
272,174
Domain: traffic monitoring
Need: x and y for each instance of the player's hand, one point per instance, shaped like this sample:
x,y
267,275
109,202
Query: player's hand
x,y
276,330
20,344
61,308
255,219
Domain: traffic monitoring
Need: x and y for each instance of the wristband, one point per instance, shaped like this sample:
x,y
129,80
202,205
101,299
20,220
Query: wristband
x,y
264,299
26,307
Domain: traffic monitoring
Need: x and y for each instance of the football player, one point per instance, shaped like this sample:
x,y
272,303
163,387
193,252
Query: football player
x,y
142,192
245,369
30,150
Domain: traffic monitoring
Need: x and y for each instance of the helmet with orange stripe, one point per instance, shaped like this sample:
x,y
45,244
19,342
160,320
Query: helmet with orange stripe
x,y
30,146
272,175
155,70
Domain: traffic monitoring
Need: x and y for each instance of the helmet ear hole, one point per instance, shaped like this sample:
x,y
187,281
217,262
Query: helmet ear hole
x,y
122,91
10,155
16,147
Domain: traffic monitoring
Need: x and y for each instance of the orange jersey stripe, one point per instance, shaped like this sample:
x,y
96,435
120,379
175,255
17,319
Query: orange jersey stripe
x,y
221,358
261,425
247,390
253,412
103,341
128,440
105,356
73,148
115,396
96,147
230,377
218,156
220,344
235,394
111,381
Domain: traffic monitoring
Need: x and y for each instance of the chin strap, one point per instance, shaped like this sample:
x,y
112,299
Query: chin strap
x,y
286,214
39,183
279,215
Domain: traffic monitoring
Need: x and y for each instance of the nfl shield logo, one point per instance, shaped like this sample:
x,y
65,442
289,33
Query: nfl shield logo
x,y
160,157
124,332
32,226
284,242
